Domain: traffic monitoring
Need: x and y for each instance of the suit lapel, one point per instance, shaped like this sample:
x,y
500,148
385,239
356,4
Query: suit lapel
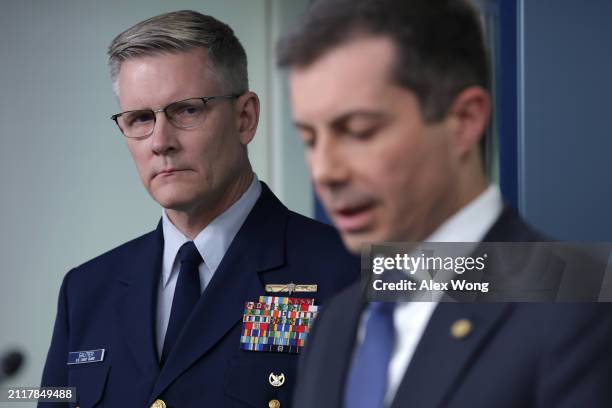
x,y
510,228
258,246
136,308
340,346
440,359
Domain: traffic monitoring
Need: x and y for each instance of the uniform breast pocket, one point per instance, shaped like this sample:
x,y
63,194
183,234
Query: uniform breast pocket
x,y
259,380
90,381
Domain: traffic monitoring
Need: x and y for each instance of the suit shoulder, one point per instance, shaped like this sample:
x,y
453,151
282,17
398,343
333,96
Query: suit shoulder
x,y
510,227
549,326
350,298
563,314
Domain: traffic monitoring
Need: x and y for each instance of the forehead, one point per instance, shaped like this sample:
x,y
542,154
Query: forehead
x,y
354,75
156,80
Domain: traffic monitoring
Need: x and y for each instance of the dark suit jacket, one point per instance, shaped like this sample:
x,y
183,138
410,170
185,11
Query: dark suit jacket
x,y
110,302
518,354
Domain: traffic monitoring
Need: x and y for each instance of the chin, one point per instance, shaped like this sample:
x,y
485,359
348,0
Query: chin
x,y
173,200
354,242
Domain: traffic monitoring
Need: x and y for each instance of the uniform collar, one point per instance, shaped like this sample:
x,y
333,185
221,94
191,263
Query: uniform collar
x,y
214,240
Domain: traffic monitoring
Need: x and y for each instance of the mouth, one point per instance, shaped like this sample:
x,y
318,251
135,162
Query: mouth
x,y
168,172
354,218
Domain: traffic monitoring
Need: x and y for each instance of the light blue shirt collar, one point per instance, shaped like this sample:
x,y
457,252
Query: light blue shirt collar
x,y
214,240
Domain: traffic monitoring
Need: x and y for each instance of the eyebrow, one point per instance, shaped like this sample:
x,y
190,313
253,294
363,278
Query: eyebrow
x,y
345,117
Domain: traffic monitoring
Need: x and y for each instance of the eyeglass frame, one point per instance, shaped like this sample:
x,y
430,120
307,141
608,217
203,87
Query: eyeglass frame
x,y
204,99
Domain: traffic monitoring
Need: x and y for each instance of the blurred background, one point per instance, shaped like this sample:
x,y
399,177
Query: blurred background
x,y
70,191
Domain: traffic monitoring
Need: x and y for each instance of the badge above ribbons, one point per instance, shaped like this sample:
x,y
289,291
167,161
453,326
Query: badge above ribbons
x,y
277,324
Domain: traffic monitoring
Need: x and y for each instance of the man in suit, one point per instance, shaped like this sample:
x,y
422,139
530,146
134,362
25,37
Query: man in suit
x,y
390,98
158,321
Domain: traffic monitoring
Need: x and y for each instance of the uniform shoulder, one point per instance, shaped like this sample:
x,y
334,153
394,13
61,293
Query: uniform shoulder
x,y
311,229
319,240
107,265
318,247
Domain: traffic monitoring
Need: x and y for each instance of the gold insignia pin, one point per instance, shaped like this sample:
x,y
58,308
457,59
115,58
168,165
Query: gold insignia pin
x,y
274,403
158,404
461,329
290,288
276,380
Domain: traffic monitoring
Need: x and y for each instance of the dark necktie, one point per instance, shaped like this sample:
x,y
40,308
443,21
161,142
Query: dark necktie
x,y
186,295
367,379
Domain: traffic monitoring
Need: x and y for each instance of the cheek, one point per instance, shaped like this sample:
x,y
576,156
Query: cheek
x,y
199,148
408,178
396,172
396,186
140,158
215,156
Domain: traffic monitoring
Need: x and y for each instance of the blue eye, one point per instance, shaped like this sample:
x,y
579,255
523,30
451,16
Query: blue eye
x,y
143,118
188,110
139,118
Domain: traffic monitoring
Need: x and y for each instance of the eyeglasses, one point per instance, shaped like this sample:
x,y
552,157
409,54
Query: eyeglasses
x,y
186,114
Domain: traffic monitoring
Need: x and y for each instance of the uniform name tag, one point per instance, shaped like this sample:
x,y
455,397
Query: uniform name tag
x,y
84,357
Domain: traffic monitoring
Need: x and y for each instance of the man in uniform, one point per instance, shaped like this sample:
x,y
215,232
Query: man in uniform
x,y
212,307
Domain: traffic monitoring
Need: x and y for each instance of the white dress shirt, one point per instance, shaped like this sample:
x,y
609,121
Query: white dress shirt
x,y
212,244
470,224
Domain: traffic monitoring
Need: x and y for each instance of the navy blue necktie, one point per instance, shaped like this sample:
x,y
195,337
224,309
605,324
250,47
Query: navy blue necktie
x,y
186,295
367,379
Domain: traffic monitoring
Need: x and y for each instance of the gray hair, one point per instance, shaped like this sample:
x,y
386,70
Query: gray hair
x,y
181,31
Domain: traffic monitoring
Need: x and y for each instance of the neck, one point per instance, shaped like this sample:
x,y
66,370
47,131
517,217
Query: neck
x,y
467,187
473,183
192,221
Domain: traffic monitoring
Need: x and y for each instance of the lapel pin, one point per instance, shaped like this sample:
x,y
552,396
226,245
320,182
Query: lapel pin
x,y
276,380
461,329
290,288
158,404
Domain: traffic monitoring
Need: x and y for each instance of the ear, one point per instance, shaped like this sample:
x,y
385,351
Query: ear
x,y
469,115
247,116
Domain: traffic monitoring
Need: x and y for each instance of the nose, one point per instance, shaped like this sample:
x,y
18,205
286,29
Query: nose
x,y
327,164
163,139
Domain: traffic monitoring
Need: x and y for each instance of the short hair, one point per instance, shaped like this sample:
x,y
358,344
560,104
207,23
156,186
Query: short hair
x,y
182,31
439,44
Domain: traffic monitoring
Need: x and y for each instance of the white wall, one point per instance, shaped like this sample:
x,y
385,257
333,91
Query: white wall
x,y
68,186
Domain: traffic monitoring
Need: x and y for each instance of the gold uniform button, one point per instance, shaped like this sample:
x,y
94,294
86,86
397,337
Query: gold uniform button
x,y
158,404
274,403
461,329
